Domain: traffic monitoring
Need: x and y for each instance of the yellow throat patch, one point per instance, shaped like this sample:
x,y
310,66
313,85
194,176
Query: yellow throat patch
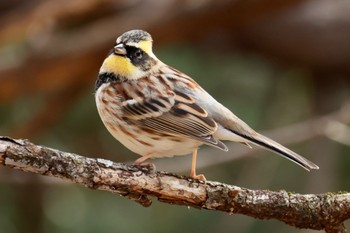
x,y
119,65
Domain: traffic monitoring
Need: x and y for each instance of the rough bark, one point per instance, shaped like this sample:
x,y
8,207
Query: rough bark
x,y
314,211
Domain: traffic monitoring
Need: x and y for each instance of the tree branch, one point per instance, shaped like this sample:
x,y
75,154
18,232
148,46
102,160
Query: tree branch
x,y
321,211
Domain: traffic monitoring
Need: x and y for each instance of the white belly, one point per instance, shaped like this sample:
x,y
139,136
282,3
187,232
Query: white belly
x,y
141,143
144,144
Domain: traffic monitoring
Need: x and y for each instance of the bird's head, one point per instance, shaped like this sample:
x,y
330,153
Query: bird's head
x,y
131,57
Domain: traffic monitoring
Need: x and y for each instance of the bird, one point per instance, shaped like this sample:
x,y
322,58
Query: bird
x,y
157,111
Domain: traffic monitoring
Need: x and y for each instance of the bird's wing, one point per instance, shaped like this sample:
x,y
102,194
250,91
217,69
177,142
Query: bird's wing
x,y
173,113
232,123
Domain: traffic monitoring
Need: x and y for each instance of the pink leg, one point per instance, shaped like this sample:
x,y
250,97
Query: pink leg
x,y
193,167
142,159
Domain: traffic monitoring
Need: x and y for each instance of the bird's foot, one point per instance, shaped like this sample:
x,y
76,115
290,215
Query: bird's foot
x,y
141,163
149,166
199,177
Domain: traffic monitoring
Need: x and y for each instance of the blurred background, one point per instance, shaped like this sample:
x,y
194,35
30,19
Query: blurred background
x,y
282,66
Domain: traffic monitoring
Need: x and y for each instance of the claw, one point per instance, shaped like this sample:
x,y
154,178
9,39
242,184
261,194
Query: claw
x,y
200,177
147,165
141,162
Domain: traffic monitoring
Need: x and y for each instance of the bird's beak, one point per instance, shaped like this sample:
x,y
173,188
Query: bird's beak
x,y
119,50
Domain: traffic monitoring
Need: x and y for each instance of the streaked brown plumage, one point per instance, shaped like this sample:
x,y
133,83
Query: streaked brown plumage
x,y
157,111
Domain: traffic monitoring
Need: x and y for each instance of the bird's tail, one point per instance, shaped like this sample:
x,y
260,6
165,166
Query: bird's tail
x,y
270,144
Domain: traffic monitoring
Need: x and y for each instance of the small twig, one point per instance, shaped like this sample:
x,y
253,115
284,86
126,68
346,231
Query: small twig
x,y
322,211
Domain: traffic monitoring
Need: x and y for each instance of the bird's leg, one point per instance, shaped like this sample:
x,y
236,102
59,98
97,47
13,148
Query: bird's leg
x,y
141,162
193,168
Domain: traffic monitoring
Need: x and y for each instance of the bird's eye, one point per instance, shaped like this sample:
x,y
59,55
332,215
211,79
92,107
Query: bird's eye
x,y
138,54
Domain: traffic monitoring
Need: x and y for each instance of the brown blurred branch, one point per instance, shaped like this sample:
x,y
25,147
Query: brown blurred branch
x,y
49,48
322,211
